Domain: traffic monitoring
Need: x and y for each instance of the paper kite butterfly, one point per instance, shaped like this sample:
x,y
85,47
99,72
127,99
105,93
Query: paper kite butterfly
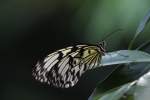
x,y
64,67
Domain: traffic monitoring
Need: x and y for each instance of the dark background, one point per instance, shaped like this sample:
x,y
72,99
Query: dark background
x,y
31,29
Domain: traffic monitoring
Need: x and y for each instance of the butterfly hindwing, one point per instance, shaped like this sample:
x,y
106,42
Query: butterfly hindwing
x,y
64,67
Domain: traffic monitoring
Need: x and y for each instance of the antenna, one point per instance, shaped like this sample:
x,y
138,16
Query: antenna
x,y
111,33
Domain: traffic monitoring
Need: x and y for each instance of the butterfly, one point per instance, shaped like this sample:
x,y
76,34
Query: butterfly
x,y
64,67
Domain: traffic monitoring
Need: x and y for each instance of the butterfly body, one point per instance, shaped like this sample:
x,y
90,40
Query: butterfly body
x,y
64,67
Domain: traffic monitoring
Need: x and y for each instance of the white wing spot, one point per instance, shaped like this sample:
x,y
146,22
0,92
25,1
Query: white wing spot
x,y
51,60
65,69
62,65
51,65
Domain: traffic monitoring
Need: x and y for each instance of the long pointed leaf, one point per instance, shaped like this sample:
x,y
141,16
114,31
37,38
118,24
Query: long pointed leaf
x,y
124,56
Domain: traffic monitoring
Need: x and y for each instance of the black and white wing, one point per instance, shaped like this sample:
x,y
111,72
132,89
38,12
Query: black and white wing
x,y
64,67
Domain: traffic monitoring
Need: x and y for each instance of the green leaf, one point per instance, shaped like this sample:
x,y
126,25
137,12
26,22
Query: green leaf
x,y
124,56
136,90
115,94
143,45
142,91
140,28
121,57
143,23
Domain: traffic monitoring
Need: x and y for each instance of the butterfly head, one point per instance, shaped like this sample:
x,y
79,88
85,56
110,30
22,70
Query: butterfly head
x,y
101,46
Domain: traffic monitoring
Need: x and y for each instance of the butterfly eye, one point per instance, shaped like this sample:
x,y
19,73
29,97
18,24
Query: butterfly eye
x,y
102,44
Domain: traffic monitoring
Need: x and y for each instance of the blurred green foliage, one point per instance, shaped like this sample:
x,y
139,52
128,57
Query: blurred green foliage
x,y
94,19
30,29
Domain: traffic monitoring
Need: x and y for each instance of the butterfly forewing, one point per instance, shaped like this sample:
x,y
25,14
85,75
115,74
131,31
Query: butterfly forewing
x,y
64,67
